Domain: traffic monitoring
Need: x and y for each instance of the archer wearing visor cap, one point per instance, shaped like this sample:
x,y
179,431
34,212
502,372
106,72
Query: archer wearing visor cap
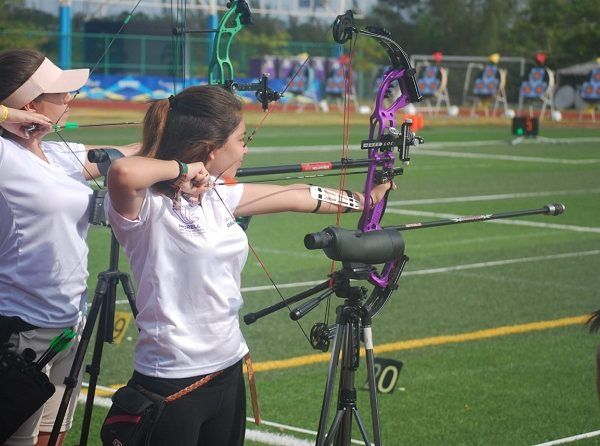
x,y
44,199
47,78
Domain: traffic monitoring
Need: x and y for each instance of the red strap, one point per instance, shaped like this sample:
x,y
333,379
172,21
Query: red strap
x,y
123,419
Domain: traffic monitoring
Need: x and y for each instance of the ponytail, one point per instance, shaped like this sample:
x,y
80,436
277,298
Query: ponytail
x,y
190,125
154,127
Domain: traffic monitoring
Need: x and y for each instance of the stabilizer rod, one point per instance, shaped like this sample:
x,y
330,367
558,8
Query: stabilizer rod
x,y
250,318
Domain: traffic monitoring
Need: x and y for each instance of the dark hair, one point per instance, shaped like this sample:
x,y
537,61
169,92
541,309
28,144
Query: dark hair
x,y
190,125
16,66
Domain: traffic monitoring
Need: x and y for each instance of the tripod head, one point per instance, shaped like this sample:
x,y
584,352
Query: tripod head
x,y
103,158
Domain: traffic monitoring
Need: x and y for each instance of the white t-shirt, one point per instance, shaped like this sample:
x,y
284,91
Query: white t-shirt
x,y
187,265
43,227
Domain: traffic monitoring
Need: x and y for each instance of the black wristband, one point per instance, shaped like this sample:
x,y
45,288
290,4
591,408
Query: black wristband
x,y
319,201
350,195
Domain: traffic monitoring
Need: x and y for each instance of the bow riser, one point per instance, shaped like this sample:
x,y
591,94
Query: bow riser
x,y
371,216
384,117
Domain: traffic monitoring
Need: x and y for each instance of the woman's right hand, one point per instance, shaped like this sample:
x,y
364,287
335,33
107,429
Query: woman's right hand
x,y
17,122
197,180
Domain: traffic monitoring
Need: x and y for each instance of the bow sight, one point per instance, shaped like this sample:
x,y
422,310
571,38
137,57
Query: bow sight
x,y
264,94
381,149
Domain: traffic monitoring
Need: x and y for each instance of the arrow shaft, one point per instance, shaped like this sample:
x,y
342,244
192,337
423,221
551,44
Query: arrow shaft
x,y
302,167
551,209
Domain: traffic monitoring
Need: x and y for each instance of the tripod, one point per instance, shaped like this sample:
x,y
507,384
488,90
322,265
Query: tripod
x,y
103,310
352,316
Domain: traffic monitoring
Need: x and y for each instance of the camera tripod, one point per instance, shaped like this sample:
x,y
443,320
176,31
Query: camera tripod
x,y
102,310
353,319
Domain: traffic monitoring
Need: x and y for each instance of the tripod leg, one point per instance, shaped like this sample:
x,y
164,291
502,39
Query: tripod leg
x,y
86,335
104,333
335,425
368,338
129,292
361,427
339,336
347,391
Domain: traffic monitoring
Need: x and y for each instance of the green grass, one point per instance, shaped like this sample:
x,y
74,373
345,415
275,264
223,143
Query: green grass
x,y
519,389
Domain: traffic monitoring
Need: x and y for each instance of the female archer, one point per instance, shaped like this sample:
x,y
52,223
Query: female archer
x,y
44,200
175,218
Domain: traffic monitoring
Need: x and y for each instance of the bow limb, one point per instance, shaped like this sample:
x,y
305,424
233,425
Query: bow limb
x,y
384,138
220,69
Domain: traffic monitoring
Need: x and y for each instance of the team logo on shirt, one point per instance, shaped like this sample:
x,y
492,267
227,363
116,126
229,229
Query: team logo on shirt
x,y
185,215
190,229
189,223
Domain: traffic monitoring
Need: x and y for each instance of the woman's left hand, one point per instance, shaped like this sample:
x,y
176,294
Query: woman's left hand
x,y
379,191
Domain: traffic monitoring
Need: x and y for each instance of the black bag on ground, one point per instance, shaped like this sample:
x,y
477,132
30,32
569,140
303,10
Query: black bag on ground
x,y
23,391
24,388
132,417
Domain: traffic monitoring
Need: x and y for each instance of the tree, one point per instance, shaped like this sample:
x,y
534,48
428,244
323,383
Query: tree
x,y
451,26
17,23
568,30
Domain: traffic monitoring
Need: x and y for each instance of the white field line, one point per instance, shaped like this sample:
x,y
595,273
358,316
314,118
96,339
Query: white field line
x,y
251,434
429,145
501,263
490,156
494,197
440,270
570,439
275,439
295,429
427,271
431,270
504,222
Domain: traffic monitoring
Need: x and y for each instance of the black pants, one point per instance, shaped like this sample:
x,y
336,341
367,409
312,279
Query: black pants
x,y
214,414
